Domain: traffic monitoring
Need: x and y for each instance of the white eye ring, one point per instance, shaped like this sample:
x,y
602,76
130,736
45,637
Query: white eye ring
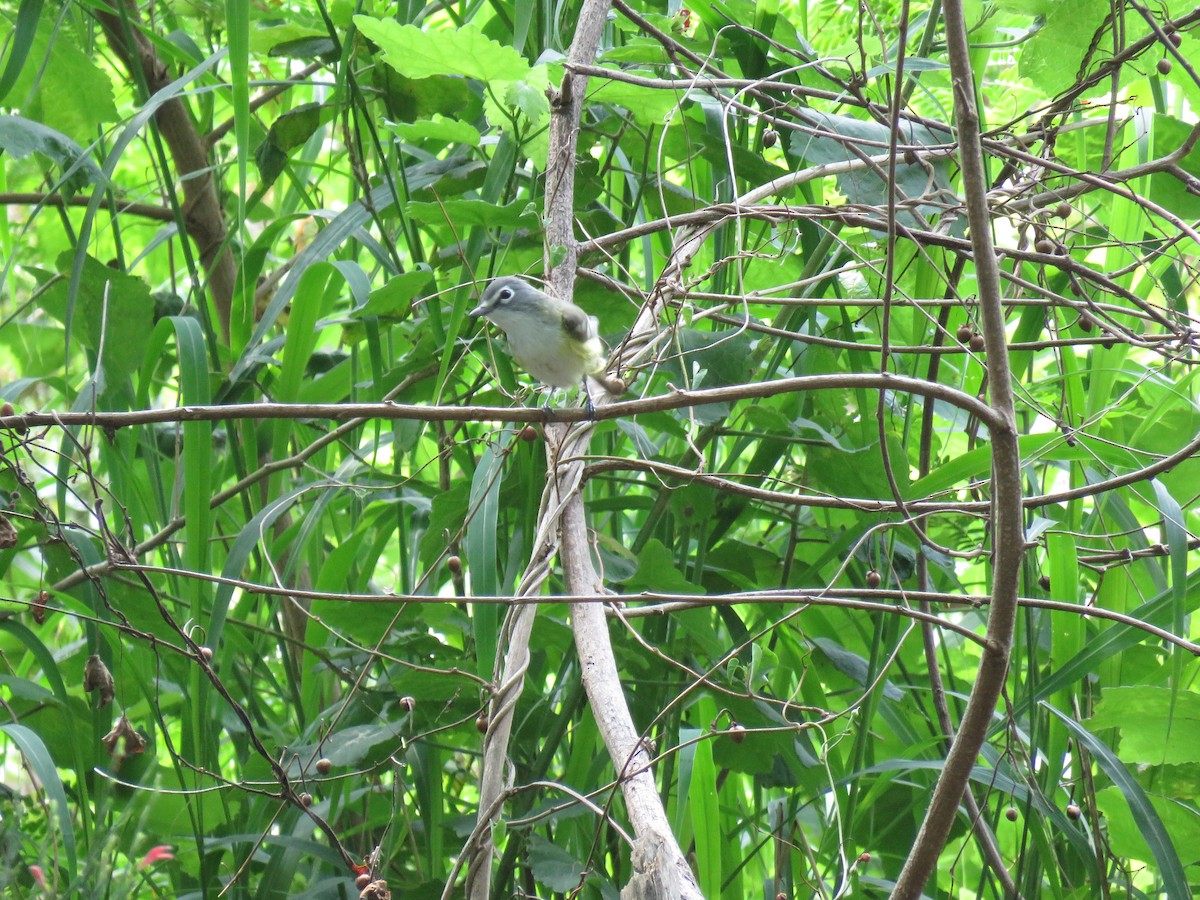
x,y
505,294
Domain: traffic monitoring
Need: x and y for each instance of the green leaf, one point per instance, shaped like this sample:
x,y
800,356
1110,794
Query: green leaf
x,y
290,130
20,137
21,42
62,87
1158,726
462,51
464,213
286,34
649,106
438,128
554,867
41,766
1149,824
830,138
656,572
529,95
116,310
446,517
1052,56
854,666
1125,834
353,746
394,300
411,99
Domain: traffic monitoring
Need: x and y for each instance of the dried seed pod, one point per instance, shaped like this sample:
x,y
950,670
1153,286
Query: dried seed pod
x,y
123,731
1063,210
874,579
1073,812
324,766
362,881
1164,66
736,732
977,343
481,724
615,385
964,333
454,564
8,533
39,606
1011,814
305,799
770,138
376,890
1044,245
529,434
96,677
407,703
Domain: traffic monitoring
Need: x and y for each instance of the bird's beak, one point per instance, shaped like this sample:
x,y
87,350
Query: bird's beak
x,y
476,312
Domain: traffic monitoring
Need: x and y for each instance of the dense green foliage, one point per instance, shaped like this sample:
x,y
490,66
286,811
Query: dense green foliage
x,y
297,204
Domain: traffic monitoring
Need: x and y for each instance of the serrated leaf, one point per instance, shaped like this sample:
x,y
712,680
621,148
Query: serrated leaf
x,y
462,51
116,310
20,137
61,87
1158,726
649,106
656,572
438,128
1052,56
529,95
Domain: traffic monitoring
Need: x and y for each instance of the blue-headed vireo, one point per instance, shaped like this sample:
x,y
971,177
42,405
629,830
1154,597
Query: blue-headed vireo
x,y
555,341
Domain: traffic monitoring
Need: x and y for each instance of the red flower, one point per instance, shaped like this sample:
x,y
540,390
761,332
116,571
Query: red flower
x,y
162,851
38,876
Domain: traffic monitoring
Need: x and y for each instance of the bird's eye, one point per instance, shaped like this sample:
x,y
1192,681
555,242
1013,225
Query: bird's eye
x,y
506,294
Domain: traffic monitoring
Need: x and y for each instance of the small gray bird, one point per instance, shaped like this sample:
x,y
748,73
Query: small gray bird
x,y
555,341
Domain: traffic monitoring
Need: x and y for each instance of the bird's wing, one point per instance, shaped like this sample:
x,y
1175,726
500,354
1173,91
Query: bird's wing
x,y
578,324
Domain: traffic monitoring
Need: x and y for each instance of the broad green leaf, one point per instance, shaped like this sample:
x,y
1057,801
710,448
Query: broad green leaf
x,y
438,128
462,51
1162,850
290,130
1158,726
656,572
394,300
648,106
1126,834
1051,57
554,867
464,213
116,311
20,137
828,139
63,87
